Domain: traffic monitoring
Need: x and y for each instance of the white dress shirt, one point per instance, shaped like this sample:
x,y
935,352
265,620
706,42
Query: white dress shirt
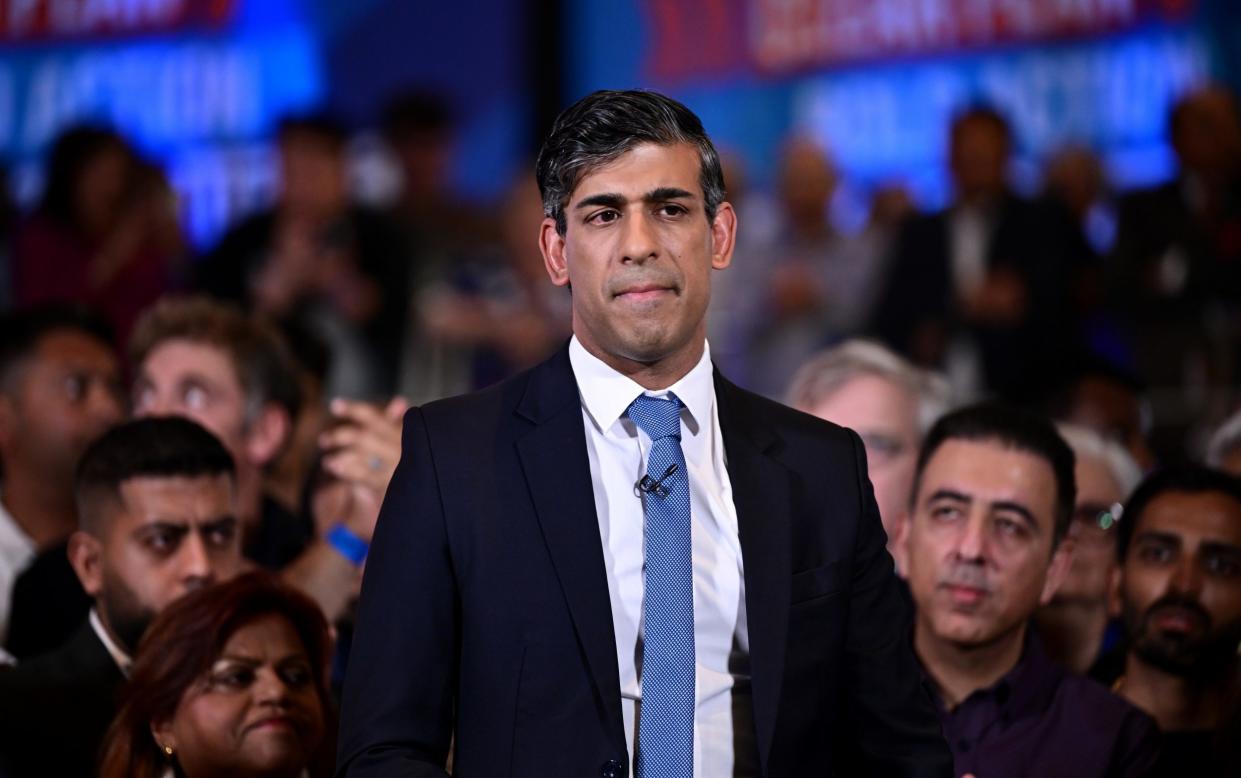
x,y
723,719
17,551
122,658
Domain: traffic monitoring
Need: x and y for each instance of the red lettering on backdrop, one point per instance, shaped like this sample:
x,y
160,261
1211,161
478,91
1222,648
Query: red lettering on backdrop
x,y
710,38
696,37
45,21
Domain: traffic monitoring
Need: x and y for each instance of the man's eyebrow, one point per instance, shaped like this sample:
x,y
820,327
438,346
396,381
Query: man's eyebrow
x,y
949,494
220,522
1220,548
1160,537
665,193
1017,508
163,525
609,199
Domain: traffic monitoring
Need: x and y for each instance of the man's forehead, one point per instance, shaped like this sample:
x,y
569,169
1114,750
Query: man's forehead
x,y
153,491
990,471
1206,516
74,346
184,358
642,169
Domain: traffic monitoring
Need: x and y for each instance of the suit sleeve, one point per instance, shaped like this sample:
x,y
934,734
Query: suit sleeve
x,y
892,725
397,708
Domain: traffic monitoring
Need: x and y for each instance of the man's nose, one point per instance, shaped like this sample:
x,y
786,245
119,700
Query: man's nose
x,y
196,570
972,539
639,241
1187,578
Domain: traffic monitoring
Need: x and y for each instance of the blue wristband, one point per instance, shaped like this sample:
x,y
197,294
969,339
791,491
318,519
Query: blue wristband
x,y
349,545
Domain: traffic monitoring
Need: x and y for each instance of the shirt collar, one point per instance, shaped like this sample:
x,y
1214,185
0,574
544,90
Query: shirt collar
x,y
123,660
606,393
16,547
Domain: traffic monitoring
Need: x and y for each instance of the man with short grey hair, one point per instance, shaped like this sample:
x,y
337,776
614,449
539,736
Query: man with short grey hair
x,y
889,402
1075,626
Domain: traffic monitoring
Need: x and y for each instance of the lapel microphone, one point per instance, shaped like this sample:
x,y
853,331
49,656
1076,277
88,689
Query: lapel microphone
x,y
654,486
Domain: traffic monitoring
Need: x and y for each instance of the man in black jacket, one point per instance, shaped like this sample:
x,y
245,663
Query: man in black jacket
x,y
158,518
619,561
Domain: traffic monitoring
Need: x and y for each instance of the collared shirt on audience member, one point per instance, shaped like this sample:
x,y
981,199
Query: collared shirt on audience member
x,y
1179,590
889,403
985,546
157,507
59,390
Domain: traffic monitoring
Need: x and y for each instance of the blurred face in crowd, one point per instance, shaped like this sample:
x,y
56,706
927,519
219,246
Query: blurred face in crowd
x,y
980,542
979,158
198,381
885,415
1207,133
1180,582
314,182
639,251
1114,411
256,713
807,182
101,189
66,395
162,538
1093,533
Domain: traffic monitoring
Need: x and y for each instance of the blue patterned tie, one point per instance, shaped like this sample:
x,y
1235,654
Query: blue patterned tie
x,y
666,718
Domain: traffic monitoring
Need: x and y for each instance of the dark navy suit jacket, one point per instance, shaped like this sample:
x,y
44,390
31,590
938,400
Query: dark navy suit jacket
x,y
485,614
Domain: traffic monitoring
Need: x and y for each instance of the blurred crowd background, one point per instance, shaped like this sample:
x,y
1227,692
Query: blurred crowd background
x,y
333,206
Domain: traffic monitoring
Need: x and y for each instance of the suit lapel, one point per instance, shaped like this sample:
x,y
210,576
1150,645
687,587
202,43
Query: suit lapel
x,y
557,469
761,496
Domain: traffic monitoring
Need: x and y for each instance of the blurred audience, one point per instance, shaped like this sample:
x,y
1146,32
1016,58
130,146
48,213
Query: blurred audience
x,y
987,544
1075,626
888,402
1224,447
157,505
493,313
979,289
316,256
1176,268
234,375
1102,397
229,681
106,232
809,285
60,388
1179,591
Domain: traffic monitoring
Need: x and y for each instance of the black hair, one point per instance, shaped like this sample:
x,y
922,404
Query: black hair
x,y
21,331
416,113
1013,428
156,446
321,126
72,151
602,126
1181,478
983,113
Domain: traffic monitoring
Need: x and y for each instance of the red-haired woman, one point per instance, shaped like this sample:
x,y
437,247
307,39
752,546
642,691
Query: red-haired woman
x,y
228,681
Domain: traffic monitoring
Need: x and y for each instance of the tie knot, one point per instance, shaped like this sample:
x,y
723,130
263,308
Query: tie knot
x,y
658,417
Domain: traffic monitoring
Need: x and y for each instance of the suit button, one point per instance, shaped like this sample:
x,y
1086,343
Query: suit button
x,y
612,769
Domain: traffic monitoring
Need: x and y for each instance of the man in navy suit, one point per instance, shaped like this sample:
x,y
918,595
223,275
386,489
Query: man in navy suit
x,y
618,562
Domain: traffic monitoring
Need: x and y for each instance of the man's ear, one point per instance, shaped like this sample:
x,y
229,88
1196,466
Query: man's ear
x,y
8,420
899,544
551,244
86,557
267,434
1057,569
723,236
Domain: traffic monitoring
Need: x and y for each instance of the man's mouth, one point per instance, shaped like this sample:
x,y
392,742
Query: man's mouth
x,y
643,292
1175,619
963,595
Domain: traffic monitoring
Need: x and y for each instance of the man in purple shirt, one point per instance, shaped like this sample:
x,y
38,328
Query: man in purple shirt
x,y
992,497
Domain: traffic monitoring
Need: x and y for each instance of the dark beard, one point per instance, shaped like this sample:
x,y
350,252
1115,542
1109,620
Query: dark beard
x,y
1199,657
126,616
